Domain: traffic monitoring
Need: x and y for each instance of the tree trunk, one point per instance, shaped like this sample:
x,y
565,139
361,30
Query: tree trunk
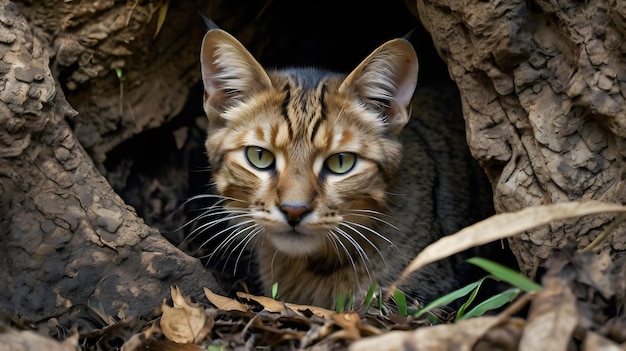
x,y
543,85
68,240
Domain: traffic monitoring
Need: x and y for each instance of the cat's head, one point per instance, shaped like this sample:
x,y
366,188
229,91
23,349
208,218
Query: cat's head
x,y
304,156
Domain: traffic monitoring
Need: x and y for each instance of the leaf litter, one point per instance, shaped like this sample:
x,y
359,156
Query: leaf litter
x,y
581,307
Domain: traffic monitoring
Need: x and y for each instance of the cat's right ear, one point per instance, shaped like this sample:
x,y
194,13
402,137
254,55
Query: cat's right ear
x,y
229,73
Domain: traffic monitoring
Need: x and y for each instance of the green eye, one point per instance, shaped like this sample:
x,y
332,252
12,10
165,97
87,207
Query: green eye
x,y
341,163
259,157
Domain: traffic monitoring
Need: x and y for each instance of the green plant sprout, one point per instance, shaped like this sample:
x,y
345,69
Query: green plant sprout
x,y
161,17
369,298
341,303
400,300
496,272
275,290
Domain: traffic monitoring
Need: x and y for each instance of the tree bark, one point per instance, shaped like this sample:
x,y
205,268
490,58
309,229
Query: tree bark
x,y
68,241
543,87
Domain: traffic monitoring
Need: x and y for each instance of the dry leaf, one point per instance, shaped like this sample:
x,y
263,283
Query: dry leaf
x,y
597,342
10,340
279,307
352,327
502,226
504,336
152,339
225,303
269,304
184,323
551,319
459,336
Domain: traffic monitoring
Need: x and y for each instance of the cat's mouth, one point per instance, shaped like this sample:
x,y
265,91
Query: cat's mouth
x,y
296,240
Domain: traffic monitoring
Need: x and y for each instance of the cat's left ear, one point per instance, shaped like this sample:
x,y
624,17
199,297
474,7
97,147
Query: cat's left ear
x,y
229,73
385,82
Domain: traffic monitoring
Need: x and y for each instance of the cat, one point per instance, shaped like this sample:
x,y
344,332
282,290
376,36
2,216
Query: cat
x,y
309,171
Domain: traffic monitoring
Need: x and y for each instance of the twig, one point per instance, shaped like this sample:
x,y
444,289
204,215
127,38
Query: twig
x,y
595,244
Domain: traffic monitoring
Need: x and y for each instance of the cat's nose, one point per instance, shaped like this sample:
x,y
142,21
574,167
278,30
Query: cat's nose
x,y
294,213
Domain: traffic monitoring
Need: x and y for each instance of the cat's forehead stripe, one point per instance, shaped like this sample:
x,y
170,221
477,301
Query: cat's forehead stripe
x,y
321,115
285,108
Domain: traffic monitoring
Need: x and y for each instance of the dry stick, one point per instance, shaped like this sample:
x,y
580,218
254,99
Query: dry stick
x,y
501,226
595,244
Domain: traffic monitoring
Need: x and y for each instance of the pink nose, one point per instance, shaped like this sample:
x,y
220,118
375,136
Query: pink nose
x,y
294,213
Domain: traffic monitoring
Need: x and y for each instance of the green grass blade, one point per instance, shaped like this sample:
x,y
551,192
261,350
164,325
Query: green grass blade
x,y
400,299
275,290
370,297
505,274
351,302
492,303
448,298
341,303
470,299
161,17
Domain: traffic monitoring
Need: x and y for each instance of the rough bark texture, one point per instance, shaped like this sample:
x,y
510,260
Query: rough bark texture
x,y
67,240
89,41
543,86
542,83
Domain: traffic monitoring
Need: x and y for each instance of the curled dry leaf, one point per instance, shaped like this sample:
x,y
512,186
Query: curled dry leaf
x,y
11,339
225,303
152,339
596,342
279,307
185,323
552,318
352,327
459,336
502,226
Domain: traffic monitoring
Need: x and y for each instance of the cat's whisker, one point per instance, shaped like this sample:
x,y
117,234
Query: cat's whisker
x,y
377,234
204,227
231,237
233,231
334,236
228,214
373,216
211,196
335,247
364,237
248,231
248,238
366,261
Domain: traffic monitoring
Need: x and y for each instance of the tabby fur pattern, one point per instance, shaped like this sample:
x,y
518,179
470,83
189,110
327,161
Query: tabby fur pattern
x,y
309,173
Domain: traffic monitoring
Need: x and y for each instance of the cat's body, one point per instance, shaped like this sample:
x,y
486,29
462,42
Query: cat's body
x,y
309,168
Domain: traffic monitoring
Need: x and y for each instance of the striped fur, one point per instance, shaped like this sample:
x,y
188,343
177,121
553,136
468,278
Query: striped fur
x,y
317,233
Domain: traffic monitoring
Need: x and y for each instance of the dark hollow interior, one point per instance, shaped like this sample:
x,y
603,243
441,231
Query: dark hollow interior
x,y
157,176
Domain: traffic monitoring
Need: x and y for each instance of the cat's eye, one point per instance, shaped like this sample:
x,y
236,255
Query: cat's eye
x,y
259,157
341,163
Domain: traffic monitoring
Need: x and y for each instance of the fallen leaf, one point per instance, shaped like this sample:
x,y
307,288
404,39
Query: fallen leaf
x,y
596,342
225,303
502,226
552,318
352,327
504,336
11,339
279,307
152,339
459,336
184,323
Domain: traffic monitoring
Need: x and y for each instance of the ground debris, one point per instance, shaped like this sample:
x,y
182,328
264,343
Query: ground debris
x,y
579,308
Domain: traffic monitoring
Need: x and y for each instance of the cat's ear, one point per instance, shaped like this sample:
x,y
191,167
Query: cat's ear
x,y
385,82
229,72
